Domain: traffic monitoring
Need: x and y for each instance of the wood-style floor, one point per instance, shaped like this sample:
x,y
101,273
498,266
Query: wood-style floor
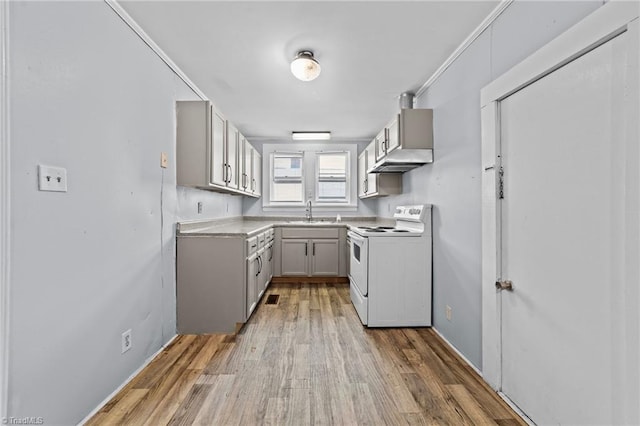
x,y
308,360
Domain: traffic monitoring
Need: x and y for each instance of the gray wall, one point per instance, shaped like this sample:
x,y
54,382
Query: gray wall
x,y
452,182
87,94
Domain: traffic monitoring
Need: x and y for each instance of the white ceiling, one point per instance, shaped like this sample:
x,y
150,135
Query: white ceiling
x,y
238,54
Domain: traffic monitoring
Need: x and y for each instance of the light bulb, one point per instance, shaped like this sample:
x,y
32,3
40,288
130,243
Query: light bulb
x,y
304,66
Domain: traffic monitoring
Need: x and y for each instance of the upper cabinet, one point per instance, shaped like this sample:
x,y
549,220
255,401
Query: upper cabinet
x,y
251,169
211,152
405,143
375,184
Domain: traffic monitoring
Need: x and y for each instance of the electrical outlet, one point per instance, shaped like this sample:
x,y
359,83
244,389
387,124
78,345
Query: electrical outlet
x,y
447,312
199,207
52,178
126,341
164,160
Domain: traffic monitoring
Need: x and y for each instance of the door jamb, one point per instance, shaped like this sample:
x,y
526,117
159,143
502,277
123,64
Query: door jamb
x,y
4,209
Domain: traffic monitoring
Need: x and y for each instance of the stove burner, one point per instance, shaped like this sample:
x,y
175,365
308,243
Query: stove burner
x,y
400,230
364,227
384,227
376,230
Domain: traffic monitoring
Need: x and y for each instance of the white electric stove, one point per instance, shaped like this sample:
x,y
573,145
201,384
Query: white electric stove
x,y
390,270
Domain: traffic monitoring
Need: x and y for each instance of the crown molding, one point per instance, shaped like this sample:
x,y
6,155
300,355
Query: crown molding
x,y
464,45
113,4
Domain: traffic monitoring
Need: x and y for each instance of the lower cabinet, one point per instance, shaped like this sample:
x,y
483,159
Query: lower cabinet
x,y
310,252
324,258
220,280
295,257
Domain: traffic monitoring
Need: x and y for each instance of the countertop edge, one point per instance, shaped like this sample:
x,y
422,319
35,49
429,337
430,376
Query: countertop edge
x,y
251,227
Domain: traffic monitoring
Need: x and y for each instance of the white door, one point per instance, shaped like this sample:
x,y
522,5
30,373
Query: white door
x,y
562,195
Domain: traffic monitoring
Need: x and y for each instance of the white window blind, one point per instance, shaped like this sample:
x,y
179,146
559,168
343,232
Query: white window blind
x,y
287,184
332,170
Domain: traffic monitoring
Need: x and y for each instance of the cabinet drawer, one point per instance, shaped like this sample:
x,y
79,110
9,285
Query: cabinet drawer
x,y
252,245
261,240
310,233
271,235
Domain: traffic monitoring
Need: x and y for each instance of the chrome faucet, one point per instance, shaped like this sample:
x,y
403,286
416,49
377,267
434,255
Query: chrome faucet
x,y
309,212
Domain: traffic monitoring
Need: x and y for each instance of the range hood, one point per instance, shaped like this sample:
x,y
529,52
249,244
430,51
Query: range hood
x,y
402,160
408,140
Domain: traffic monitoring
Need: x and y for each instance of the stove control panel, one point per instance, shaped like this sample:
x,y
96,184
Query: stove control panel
x,y
411,213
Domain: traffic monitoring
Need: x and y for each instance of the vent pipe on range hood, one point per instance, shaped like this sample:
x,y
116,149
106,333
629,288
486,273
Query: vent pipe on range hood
x,y
406,100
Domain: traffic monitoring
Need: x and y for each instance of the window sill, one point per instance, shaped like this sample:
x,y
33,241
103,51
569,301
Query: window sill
x,y
315,207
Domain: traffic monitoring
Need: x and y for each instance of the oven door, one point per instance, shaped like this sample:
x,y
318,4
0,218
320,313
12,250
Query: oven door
x,y
358,262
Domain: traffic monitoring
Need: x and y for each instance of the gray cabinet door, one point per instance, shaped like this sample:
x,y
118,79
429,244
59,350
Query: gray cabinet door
x,y
232,156
295,257
372,178
381,148
325,258
252,280
393,135
362,174
217,150
256,167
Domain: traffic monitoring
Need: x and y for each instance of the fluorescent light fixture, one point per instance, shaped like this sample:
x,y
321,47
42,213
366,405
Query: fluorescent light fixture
x,y
304,66
311,136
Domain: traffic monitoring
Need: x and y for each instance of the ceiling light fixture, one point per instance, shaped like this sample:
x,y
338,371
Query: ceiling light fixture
x,y
311,136
304,66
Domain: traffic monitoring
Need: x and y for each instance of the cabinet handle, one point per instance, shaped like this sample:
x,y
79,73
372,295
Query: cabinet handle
x,y
306,248
230,173
314,249
259,265
224,172
253,185
386,140
270,254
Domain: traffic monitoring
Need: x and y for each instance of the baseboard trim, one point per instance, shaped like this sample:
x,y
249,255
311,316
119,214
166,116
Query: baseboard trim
x,y
310,280
517,409
460,354
502,396
126,382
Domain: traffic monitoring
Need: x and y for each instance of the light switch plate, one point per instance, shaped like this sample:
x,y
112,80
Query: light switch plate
x,y
164,160
52,178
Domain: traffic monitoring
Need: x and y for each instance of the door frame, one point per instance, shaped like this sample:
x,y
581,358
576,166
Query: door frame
x,y
609,21
5,194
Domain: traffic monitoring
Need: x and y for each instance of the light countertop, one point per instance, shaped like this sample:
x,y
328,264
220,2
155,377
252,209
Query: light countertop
x,y
249,226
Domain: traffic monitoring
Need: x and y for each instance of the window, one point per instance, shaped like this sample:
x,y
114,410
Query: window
x,y
297,173
332,177
287,185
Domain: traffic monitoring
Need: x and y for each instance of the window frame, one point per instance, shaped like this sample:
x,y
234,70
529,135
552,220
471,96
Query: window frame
x,y
309,150
333,201
272,179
